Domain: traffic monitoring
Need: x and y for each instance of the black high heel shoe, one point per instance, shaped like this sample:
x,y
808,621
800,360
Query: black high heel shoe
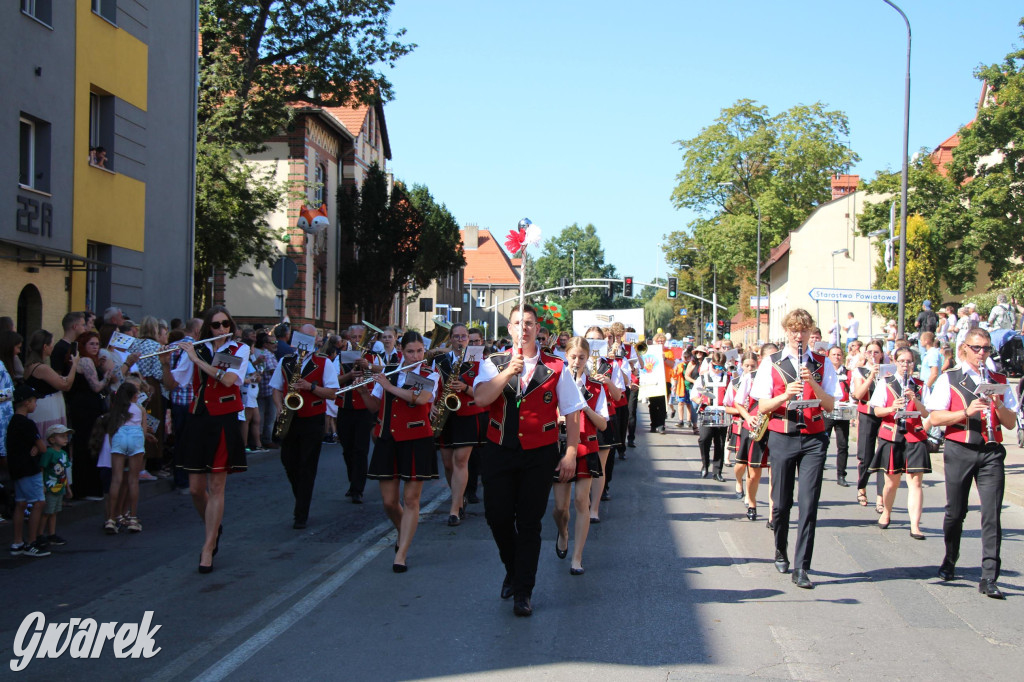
x,y
204,569
752,513
562,553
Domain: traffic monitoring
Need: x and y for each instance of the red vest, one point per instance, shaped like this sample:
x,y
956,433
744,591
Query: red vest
x,y
591,391
401,420
535,423
814,418
707,381
313,372
889,430
215,396
737,420
844,385
971,431
469,408
351,400
862,405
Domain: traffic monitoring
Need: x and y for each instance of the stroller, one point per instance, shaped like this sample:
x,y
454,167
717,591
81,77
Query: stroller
x,y
1009,351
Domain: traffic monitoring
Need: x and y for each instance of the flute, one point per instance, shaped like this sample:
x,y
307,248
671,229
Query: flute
x,y
174,346
370,381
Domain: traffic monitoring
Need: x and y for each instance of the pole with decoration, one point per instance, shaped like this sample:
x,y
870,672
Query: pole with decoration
x,y
516,243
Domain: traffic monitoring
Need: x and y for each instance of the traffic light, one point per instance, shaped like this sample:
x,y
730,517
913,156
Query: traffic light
x,y
611,289
727,327
565,288
627,287
720,328
672,281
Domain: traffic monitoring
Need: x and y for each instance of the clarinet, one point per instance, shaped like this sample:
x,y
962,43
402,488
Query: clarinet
x,y
987,414
901,423
800,424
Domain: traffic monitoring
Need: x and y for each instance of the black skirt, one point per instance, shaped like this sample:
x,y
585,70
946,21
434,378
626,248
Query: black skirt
x,y
898,458
610,436
464,431
587,466
211,445
408,460
753,453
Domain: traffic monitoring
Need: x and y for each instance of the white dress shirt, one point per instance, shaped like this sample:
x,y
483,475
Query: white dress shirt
x,y
762,388
569,397
939,398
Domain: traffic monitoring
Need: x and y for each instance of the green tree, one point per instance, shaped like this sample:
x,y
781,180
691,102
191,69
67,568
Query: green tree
x,y
781,162
924,270
256,58
380,237
440,245
989,164
556,262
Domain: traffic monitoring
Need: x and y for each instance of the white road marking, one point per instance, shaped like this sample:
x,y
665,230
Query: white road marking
x,y
739,562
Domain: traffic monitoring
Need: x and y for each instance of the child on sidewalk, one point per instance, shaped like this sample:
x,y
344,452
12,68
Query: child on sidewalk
x,y
55,463
24,446
127,431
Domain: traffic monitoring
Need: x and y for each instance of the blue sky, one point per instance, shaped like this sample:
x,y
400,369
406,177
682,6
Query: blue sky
x,y
567,111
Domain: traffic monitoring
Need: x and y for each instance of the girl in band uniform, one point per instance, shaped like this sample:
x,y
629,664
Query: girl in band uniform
x,y
903,444
606,439
862,385
716,381
594,419
403,443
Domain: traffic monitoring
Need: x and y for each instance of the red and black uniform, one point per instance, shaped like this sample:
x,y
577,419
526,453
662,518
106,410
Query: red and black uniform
x,y
841,427
902,444
404,440
211,440
300,447
521,455
752,452
712,437
355,421
588,462
973,453
867,436
467,427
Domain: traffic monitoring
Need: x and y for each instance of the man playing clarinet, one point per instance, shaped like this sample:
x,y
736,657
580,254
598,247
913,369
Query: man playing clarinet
x,y
796,437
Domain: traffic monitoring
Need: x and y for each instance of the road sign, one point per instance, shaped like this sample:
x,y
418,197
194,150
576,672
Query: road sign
x,y
284,272
763,302
854,295
682,311
709,327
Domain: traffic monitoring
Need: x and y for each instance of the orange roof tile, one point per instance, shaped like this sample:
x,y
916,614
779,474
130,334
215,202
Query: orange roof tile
x,y
488,263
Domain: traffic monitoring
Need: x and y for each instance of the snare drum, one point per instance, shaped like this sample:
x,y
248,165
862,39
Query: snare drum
x,y
714,417
843,412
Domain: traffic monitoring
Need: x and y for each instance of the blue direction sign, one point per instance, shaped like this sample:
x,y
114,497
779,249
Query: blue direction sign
x,y
854,295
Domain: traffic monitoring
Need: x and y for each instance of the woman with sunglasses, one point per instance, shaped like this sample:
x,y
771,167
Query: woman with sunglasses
x,y
862,385
973,451
210,443
903,443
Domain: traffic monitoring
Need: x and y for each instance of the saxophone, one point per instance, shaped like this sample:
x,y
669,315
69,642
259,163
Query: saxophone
x,y
293,401
448,401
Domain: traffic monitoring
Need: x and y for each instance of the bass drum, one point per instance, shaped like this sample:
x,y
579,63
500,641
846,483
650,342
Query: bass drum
x,y
713,417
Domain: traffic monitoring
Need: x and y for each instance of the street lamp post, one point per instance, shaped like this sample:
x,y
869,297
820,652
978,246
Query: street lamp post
x,y
903,179
871,306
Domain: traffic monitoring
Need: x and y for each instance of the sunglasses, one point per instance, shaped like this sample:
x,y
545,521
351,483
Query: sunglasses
x,y
980,349
220,324
718,366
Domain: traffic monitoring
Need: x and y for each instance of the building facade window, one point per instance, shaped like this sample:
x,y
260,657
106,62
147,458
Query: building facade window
x,y
40,10
106,9
101,130
320,178
97,280
34,153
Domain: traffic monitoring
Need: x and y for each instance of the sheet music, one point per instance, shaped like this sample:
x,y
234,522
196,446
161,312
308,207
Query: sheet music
x,y
226,361
474,353
304,342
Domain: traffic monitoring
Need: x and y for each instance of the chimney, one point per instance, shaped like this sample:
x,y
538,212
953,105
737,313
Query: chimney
x,y
844,184
471,237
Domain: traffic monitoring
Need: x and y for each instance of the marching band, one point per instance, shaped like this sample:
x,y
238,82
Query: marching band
x,y
534,418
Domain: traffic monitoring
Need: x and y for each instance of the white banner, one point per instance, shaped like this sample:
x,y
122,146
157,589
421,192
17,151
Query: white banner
x,y
582,320
652,372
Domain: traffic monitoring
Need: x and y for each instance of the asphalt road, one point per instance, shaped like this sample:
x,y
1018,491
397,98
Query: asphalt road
x,y
674,572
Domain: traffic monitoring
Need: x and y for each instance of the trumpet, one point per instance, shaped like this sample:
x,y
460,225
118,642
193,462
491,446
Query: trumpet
x,y
370,380
174,346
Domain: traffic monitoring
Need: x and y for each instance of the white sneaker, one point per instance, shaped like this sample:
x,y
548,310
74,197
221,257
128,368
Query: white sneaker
x,y
146,476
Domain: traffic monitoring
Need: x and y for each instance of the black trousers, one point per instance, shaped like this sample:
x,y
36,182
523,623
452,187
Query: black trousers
x,y
518,483
789,454
354,427
982,464
634,394
712,436
622,424
300,455
867,439
659,412
842,430
474,470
